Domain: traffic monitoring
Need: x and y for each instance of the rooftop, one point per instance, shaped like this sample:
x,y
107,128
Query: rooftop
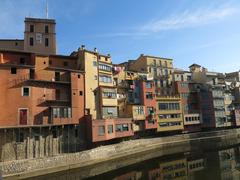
x,y
194,65
156,57
40,20
11,39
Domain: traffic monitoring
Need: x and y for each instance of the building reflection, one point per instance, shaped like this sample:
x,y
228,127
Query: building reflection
x,y
229,164
222,164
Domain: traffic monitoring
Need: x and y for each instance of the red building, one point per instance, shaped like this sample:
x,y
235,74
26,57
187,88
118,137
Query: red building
x,y
148,99
190,105
100,130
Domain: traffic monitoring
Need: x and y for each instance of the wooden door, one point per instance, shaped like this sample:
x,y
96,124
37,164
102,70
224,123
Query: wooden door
x,y
23,116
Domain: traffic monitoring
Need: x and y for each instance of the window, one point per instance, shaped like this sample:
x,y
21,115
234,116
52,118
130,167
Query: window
x,y
125,127
150,110
80,93
110,129
63,112
79,76
149,84
150,69
31,43
185,85
168,106
122,127
65,63
16,43
109,112
165,124
185,95
57,76
151,121
50,62
154,62
46,29
46,42
166,72
25,91
13,70
169,116
109,94
105,67
139,110
105,79
149,95
94,63
101,130
182,78
22,61
165,63
31,28
118,128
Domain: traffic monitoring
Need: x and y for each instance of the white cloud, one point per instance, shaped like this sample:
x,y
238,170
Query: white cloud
x,y
185,19
188,19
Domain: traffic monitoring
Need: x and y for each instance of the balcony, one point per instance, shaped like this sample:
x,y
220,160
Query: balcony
x,y
51,99
170,126
168,98
61,115
123,84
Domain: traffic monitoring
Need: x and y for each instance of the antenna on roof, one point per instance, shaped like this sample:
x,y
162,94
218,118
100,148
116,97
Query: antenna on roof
x,y
47,9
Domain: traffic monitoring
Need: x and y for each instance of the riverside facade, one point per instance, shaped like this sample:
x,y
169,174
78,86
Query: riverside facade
x,y
52,104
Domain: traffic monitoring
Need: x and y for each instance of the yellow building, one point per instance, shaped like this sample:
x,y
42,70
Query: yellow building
x,y
137,112
101,93
160,69
176,169
169,113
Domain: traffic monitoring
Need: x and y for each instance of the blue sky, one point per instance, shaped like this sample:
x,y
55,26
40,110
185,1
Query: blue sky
x,y
189,31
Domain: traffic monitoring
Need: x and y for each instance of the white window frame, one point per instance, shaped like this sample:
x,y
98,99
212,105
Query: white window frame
x,y
29,91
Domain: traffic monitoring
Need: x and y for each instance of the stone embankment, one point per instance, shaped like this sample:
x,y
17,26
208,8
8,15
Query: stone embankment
x,y
160,146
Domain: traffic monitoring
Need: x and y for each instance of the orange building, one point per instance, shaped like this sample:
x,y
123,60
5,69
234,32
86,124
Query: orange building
x,y
46,90
42,105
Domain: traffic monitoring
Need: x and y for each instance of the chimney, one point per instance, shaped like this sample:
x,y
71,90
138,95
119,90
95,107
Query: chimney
x,y
109,55
82,47
141,54
95,50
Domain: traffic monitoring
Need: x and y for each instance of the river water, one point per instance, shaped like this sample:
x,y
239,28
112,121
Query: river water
x,y
200,164
213,165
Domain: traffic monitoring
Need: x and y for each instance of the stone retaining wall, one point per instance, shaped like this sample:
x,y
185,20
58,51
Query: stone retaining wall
x,y
127,148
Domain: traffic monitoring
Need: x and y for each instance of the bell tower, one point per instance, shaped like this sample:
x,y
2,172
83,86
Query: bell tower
x,y
40,36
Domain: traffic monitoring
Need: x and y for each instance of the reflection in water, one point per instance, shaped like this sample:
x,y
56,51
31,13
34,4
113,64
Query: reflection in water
x,y
202,165
214,165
